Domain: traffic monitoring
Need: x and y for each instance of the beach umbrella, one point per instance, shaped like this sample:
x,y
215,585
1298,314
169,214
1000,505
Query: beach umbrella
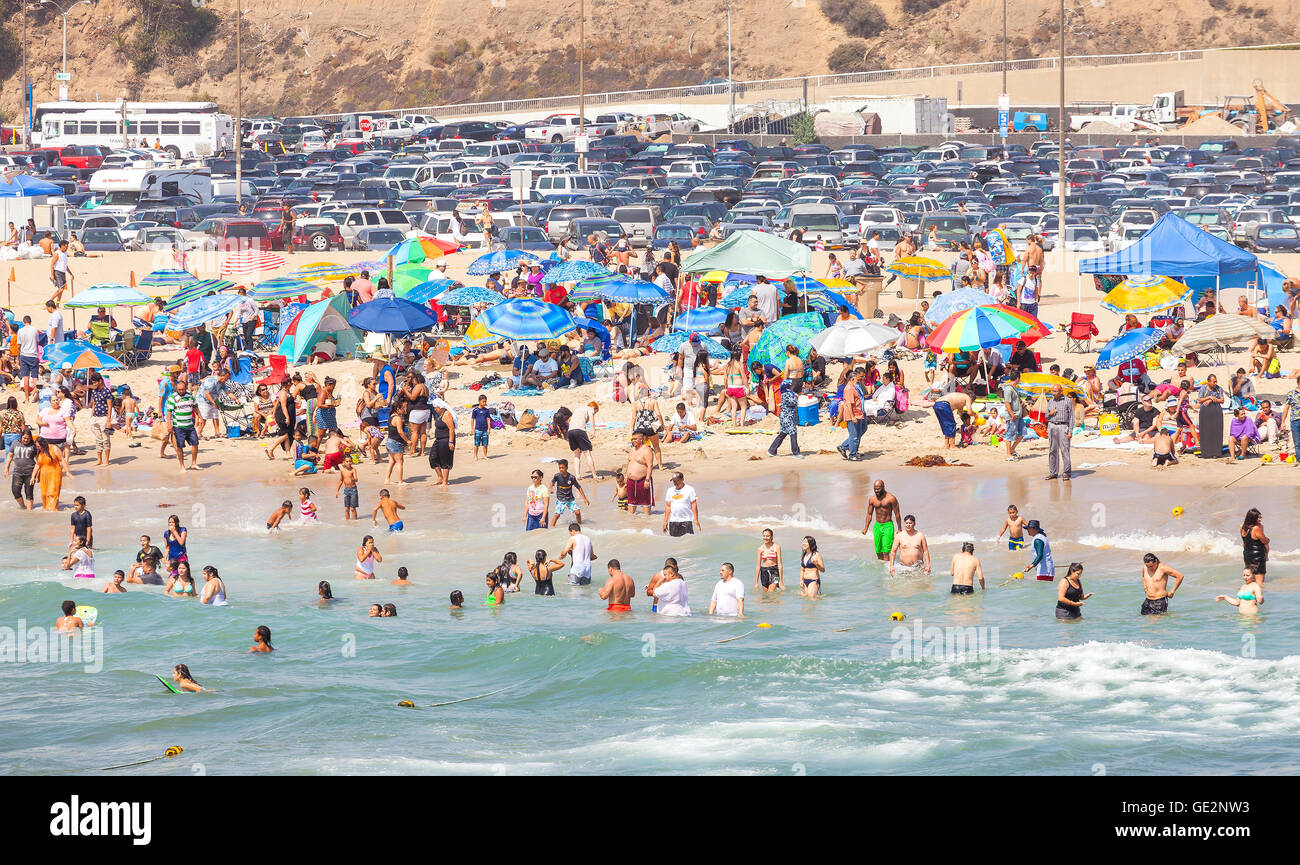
x,y
1222,330
251,261
701,319
589,288
392,315
476,336
624,290
955,301
167,281
797,330
325,271
572,271
425,291
1140,294
56,353
851,338
408,276
280,287
831,302
918,267
1128,345
470,295
528,319
737,297
195,290
1041,383
91,358
203,310
500,261
1037,329
836,284
672,341
977,328
414,250
108,295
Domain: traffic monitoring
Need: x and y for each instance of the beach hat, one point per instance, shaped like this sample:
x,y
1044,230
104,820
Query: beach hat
x,y
1173,400
695,339
1033,524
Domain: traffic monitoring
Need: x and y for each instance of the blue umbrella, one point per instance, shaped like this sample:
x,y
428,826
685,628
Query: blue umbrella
x,y
572,271
281,286
166,278
527,319
593,325
955,301
826,300
737,296
630,291
1127,346
203,310
108,295
470,295
57,353
392,315
500,261
196,290
426,291
702,319
672,341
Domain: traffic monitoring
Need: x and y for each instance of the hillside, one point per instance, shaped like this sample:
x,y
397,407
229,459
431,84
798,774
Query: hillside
x,y
307,56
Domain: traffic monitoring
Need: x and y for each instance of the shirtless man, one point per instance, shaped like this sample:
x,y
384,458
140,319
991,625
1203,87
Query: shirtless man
x,y
1014,526
959,401
965,569
640,485
910,548
1155,583
69,621
1033,253
884,506
618,589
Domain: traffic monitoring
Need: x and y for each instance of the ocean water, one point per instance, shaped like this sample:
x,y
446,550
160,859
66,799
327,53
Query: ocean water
x,y
986,684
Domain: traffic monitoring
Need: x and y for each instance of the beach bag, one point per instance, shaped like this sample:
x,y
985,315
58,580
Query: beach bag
x,y
494,420
902,399
527,420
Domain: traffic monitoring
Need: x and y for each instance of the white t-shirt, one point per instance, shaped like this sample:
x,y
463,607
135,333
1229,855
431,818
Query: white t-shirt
x,y
671,600
83,563
679,502
677,420
727,595
769,305
61,260
27,340
325,347
55,328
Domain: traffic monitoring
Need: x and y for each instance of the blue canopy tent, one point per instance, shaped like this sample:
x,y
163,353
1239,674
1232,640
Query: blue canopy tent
x,y
1174,247
1265,278
24,185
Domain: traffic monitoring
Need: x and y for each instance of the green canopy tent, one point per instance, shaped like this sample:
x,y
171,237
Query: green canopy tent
x,y
753,252
325,318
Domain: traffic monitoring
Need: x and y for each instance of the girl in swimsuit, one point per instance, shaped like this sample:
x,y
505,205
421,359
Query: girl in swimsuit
x,y
512,574
214,588
811,567
736,386
367,555
181,584
181,676
262,640
176,536
496,596
768,570
324,591
1249,596
1254,542
541,569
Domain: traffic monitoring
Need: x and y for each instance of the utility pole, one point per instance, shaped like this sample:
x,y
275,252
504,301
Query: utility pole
x,y
1004,101
582,81
731,85
1060,154
239,105
27,88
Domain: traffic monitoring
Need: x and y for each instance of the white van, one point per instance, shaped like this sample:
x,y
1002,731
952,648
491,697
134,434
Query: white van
x,y
487,152
227,186
440,224
563,184
638,220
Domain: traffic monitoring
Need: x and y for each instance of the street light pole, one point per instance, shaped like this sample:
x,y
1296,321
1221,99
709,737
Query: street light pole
x,y
582,81
1060,153
64,12
27,91
731,84
239,105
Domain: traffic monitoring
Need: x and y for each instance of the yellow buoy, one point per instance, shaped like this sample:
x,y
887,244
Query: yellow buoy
x,y
764,625
1017,576
406,704
1266,458
173,751
896,617
1178,511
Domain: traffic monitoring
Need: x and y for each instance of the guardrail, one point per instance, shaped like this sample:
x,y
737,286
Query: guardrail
x,y
676,94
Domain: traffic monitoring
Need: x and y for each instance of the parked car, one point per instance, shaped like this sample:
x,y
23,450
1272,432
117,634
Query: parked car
x,y
156,238
317,235
1272,237
378,239
102,240
528,238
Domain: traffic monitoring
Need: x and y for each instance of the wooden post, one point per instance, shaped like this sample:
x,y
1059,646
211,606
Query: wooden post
x,y
390,271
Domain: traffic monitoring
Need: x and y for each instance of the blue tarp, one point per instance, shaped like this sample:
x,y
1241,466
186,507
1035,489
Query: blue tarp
x,y
1174,247
24,185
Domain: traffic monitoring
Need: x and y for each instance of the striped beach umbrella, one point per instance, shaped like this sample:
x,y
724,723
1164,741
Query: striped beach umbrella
x,y
167,281
917,267
974,329
528,319
251,261
281,286
326,271
1141,294
470,295
198,289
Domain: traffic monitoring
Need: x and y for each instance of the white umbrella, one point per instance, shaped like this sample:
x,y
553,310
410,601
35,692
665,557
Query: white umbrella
x,y
850,338
1220,330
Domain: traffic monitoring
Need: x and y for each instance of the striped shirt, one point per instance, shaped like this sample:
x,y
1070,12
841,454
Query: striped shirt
x,y
181,408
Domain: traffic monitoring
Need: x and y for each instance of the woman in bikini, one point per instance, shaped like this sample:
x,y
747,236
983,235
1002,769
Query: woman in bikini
x,y
648,419
811,568
769,571
541,568
736,388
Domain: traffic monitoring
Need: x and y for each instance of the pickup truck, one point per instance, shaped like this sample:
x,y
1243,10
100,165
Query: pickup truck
x,y
562,127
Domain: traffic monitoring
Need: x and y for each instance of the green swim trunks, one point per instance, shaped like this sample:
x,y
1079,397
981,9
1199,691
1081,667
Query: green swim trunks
x,y
883,535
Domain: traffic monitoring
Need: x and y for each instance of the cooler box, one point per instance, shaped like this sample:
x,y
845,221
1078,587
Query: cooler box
x,y
809,411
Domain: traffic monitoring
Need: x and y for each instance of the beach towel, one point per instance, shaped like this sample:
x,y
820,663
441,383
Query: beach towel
x,y
947,423
523,391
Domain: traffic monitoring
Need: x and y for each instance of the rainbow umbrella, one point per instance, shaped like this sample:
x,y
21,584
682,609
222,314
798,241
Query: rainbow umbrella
x,y
1140,294
417,249
1041,383
977,328
1037,328
916,267
197,290
797,330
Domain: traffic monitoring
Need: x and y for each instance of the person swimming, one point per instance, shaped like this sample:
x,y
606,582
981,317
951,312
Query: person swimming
x,y
496,595
402,580
182,677
389,611
262,640
1249,596
457,600
324,590
542,568
366,558
273,521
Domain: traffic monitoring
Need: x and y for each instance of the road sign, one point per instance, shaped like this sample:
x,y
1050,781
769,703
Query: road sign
x,y
1002,123
62,76
521,183
364,124
63,93
1004,114
581,142
1004,102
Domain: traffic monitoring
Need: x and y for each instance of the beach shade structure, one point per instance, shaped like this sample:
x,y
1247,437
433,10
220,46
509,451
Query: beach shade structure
x,y
108,295
918,267
195,290
56,354
1141,294
701,319
308,325
251,261
167,281
528,319
470,295
203,310
91,358
851,338
977,328
1222,330
325,271
573,271
414,250
624,290
1128,345
955,301
500,261
423,292
281,287
672,341
392,315
477,336
752,252
1041,383
738,297
797,330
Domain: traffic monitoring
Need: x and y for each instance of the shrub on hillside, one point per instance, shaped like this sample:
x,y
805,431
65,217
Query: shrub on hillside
x,y
849,56
920,7
857,17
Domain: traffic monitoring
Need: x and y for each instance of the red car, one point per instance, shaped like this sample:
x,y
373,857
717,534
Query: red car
x,y
316,235
84,155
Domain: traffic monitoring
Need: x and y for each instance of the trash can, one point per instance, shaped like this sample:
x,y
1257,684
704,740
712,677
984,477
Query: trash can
x,y
869,295
809,411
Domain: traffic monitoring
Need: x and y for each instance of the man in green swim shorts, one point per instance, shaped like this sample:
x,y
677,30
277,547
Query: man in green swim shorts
x,y
884,507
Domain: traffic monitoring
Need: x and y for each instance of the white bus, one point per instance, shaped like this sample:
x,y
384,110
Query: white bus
x,y
181,128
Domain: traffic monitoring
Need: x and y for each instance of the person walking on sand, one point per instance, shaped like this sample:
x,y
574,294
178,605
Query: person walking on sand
x,y
884,507
910,548
1060,431
1043,565
1155,583
618,589
965,570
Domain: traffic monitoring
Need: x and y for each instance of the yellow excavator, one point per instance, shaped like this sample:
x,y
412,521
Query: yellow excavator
x,y
1259,114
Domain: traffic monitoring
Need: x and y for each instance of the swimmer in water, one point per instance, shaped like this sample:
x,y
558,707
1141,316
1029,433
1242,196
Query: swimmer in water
x,y
496,595
115,585
181,676
1249,596
324,591
1070,595
965,570
390,506
910,548
262,640
274,520
542,570
511,574
670,564
367,556
389,612
402,580
376,611
1155,583
769,570
457,600
306,507
348,486
69,621
618,589
1014,526
811,568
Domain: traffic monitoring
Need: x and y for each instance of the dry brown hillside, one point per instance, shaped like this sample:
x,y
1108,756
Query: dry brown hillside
x,y
306,56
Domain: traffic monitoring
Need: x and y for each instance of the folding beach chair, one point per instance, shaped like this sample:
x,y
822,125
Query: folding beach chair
x,y
1078,337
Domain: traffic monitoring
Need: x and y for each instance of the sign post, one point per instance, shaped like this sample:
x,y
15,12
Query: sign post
x,y
521,184
1004,118
365,124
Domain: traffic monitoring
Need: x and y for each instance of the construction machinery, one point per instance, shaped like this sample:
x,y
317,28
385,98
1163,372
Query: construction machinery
x,y
1260,114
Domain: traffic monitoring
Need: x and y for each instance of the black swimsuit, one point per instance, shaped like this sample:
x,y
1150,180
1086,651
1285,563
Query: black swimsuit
x,y
1069,611
1253,552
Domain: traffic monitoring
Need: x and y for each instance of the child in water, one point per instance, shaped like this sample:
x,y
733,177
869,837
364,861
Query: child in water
x,y
262,640
1014,526
181,676
402,580
306,507
273,521
457,600
348,486
620,490
390,507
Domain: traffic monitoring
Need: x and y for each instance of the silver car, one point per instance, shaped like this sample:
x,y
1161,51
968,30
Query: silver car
x,y
156,238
